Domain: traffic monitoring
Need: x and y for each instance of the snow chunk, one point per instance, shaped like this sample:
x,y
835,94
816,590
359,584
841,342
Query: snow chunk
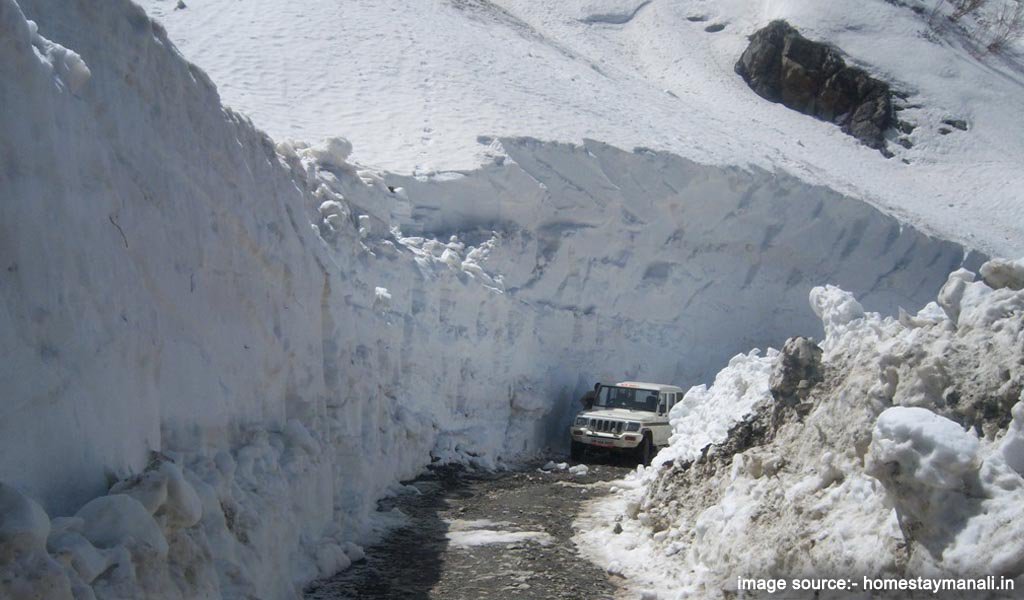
x,y
451,258
911,443
24,525
26,570
365,229
354,552
579,470
70,547
120,519
67,65
164,493
333,211
836,308
1012,446
330,559
963,511
1001,273
952,293
332,152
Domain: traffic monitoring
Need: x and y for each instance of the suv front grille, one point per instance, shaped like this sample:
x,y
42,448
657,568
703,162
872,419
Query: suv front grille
x,y
606,425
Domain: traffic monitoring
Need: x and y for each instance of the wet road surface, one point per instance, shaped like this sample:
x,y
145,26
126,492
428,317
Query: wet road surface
x,y
483,535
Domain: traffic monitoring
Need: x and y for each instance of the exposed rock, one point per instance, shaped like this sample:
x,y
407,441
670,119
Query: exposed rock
x,y
781,65
957,123
715,28
798,369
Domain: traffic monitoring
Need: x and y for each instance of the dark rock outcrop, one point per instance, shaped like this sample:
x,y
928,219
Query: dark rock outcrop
x,y
781,65
798,369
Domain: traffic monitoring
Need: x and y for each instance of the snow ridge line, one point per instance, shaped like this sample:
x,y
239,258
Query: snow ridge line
x,y
616,18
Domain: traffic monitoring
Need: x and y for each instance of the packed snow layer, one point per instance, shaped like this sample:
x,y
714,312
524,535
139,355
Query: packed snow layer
x,y
663,267
899,455
220,352
413,83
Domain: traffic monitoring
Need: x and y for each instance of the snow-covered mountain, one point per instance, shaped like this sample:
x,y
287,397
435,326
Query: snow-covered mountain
x,y
220,349
412,84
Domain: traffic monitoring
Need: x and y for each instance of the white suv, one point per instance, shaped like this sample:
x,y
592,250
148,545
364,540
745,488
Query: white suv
x,y
630,416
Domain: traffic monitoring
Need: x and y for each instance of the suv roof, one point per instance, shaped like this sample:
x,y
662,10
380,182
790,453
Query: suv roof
x,y
659,387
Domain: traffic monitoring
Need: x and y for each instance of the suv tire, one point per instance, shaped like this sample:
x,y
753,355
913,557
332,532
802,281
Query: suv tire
x,y
577,450
646,450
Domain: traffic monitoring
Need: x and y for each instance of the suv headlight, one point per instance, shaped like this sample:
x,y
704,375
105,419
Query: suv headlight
x,y
582,421
632,426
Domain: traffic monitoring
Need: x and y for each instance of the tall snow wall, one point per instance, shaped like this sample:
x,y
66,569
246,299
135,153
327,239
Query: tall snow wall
x,y
652,267
240,335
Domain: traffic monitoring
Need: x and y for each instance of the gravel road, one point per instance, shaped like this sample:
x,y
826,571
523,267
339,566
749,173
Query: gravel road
x,y
483,535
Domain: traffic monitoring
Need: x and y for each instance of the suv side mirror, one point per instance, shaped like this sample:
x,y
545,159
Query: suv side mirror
x,y
588,400
662,407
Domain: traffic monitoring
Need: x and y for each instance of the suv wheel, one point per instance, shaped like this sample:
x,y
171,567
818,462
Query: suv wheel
x,y
576,450
646,450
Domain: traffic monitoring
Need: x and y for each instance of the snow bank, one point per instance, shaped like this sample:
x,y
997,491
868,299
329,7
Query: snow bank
x,y
898,454
705,414
220,352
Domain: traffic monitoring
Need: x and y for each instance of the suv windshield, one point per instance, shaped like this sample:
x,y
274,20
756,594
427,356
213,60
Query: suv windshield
x,y
629,398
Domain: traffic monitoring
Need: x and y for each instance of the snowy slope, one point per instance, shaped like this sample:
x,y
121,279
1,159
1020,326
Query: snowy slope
x,y
413,83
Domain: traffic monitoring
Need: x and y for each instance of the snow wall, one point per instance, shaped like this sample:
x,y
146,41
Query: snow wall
x,y
253,342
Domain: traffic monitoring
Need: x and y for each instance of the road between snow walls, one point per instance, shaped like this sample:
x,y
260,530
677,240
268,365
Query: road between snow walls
x,y
219,352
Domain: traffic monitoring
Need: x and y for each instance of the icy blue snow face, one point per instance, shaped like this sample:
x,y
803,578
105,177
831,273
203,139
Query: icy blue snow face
x,y
666,267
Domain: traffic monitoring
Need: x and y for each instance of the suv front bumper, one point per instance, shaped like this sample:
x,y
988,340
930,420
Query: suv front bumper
x,y
606,440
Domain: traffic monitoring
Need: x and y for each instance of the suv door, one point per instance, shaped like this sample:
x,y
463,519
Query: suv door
x,y
660,428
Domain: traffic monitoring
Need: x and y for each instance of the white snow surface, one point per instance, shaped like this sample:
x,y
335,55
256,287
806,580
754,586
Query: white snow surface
x,y
880,479
484,532
468,538
220,352
413,83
